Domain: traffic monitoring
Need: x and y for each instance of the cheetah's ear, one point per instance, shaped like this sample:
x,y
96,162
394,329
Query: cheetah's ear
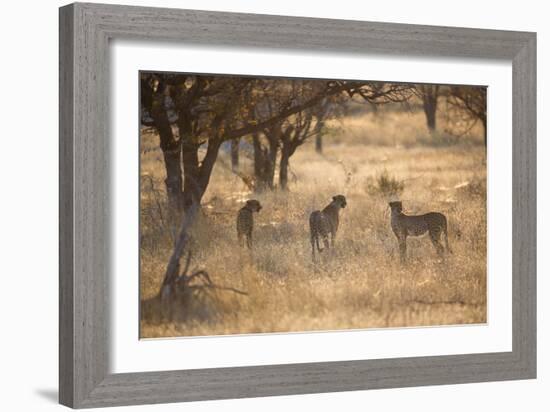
x,y
334,197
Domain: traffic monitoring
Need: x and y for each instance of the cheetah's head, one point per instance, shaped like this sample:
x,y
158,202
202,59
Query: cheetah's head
x,y
253,205
396,206
340,200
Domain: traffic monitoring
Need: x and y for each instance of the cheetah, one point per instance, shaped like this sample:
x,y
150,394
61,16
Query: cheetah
x,y
325,222
245,221
403,225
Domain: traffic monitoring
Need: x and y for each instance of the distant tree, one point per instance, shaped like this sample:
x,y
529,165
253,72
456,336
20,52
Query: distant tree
x,y
321,113
288,133
471,101
265,146
297,130
235,154
293,131
274,96
429,95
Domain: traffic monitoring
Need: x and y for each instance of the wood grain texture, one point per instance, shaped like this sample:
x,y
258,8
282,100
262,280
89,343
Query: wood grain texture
x,y
85,30
66,109
524,208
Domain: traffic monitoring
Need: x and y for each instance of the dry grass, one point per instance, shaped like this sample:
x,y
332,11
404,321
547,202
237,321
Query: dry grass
x,y
359,284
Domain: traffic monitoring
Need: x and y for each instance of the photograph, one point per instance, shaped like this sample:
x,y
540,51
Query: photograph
x,y
285,205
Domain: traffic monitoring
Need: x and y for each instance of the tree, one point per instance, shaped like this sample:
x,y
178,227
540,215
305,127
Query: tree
x,y
428,94
321,113
378,93
192,112
275,96
293,131
235,154
294,134
472,102
265,158
202,115
271,98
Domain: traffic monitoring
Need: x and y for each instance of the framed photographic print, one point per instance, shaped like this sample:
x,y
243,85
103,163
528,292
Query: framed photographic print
x,y
259,205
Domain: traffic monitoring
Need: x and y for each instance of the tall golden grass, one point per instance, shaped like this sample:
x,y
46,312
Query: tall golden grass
x,y
360,283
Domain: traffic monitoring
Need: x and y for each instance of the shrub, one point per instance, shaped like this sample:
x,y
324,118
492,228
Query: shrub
x,y
385,184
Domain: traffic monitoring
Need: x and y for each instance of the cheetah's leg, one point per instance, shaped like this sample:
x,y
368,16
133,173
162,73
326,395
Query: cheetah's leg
x,y
402,240
249,240
435,236
326,242
241,239
319,249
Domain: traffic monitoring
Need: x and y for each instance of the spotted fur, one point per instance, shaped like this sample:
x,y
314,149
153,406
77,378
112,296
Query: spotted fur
x,y
404,225
245,222
323,223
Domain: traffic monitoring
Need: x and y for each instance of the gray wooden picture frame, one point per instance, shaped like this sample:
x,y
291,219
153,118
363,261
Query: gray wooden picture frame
x,y
85,31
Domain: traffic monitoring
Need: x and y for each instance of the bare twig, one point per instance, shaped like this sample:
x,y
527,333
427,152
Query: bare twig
x,y
248,180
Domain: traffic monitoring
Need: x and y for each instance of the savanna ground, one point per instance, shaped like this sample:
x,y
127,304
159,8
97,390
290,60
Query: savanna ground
x,y
371,159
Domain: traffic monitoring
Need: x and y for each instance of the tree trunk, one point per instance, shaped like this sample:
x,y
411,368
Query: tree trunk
x,y
264,163
430,108
318,131
171,151
258,158
235,155
207,165
197,177
283,168
319,143
430,117
173,179
191,188
429,103
272,161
